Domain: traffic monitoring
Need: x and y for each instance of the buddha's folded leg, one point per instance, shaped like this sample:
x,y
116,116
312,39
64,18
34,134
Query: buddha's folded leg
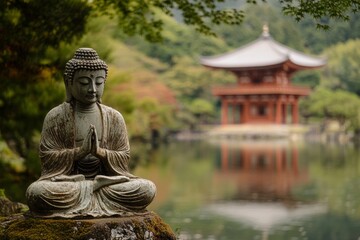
x,y
134,195
48,197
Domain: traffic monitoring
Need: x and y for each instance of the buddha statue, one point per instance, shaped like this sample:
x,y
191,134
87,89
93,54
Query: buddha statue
x,y
84,152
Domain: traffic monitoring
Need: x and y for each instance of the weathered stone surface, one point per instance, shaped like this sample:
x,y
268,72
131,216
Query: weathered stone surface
x,y
148,227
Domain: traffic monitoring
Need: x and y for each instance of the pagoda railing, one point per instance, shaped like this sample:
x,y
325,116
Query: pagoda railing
x,y
260,90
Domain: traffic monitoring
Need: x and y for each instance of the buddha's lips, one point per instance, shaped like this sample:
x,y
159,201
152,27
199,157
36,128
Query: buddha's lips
x,y
91,96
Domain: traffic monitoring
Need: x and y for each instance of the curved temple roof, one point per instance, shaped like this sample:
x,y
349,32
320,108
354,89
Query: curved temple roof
x,y
262,52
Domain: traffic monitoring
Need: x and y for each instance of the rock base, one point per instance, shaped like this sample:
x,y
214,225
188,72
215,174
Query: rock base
x,y
149,227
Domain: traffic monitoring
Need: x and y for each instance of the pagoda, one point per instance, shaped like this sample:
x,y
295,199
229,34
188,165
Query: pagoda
x,y
263,92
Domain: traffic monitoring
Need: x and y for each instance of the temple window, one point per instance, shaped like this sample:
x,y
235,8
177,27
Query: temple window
x,y
259,110
262,110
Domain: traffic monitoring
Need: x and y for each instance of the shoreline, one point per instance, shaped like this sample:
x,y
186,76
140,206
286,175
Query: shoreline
x,y
290,132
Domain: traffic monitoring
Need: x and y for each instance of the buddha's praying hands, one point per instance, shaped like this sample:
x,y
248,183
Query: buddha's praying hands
x,y
84,152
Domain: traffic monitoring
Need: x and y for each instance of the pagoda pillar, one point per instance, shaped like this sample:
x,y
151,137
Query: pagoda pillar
x,y
295,111
278,117
224,112
284,112
246,110
234,109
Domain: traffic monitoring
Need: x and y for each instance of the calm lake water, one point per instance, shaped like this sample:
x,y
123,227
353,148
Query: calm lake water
x,y
250,190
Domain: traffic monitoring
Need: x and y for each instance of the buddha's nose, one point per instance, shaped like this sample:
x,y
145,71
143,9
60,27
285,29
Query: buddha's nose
x,y
92,88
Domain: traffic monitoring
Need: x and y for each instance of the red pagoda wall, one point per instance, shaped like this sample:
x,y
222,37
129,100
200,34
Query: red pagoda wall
x,y
261,96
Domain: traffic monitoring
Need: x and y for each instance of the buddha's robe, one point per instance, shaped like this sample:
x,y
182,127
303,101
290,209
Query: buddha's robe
x,y
88,187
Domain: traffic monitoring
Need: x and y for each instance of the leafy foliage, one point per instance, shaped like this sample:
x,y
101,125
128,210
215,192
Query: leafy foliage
x,y
139,17
309,78
338,105
319,9
343,67
28,89
202,109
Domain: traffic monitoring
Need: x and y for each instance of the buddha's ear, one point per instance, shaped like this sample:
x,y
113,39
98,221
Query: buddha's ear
x,y
67,88
68,95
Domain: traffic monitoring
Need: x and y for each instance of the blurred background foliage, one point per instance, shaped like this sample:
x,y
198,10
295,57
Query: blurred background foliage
x,y
160,87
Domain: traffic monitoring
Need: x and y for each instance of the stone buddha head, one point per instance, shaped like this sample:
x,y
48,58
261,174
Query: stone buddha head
x,y
85,76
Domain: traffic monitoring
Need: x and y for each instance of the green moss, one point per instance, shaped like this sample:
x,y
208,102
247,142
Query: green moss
x,y
20,228
158,227
8,207
41,229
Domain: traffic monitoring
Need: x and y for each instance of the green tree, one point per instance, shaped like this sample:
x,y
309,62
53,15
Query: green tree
x,y
28,89
309,78
338,105
202,109
343,66
320,9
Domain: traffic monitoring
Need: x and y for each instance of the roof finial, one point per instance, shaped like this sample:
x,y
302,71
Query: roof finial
x,y
265,32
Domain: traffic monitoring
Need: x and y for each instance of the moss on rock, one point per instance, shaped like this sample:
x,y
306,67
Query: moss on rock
x,y
8,207
149,226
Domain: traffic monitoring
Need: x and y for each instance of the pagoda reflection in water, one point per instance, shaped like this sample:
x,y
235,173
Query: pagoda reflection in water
x,y
263,176
260,170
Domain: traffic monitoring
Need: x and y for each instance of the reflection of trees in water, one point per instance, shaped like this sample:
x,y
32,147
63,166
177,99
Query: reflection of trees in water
x,y
335,173
144,153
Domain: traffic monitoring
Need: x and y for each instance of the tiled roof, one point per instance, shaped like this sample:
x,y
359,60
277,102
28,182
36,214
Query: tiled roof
x,y
261,53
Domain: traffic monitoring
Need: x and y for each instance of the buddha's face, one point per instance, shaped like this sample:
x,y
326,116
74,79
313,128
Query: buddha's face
x,y
88,85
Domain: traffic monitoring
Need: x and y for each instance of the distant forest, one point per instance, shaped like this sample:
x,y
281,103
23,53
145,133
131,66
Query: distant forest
x,y
161,87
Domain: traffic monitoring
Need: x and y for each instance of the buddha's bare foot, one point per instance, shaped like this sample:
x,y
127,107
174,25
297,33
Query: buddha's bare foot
x,y
102,181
